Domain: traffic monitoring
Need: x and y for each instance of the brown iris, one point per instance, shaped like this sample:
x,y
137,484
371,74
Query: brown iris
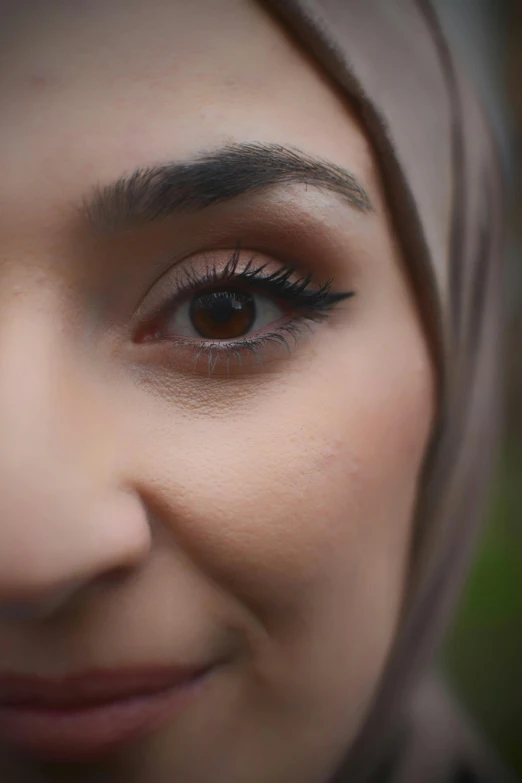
x,y
224,314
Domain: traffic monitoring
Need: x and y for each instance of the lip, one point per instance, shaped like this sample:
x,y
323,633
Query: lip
x,y
89,715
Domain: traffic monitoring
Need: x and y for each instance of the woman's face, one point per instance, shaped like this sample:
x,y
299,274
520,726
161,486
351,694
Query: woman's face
x,y
199,467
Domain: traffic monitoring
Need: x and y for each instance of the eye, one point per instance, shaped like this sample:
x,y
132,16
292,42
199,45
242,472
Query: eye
x,y
238,309
226,313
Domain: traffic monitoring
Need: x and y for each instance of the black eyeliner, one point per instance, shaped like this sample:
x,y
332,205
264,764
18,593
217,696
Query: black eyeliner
x,y
296,292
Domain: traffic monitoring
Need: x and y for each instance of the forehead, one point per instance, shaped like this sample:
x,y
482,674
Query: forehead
x,y
93,89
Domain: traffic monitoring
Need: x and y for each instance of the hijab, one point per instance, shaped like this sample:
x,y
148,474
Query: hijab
x,y
439,169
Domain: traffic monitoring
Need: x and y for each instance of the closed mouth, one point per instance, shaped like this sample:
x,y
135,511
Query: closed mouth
x,y
100,712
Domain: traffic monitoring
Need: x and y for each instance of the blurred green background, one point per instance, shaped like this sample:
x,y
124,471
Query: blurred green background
x,y
483,652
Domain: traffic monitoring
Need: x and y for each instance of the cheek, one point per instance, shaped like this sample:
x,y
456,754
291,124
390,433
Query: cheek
x,y
311,481
296,504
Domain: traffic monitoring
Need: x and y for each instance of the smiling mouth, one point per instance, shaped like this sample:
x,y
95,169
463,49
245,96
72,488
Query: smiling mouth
x,y
90,715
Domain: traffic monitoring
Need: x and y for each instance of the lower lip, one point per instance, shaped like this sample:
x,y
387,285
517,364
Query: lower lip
x,y
81,734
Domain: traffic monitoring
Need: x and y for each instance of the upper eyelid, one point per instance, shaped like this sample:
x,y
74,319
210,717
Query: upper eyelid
x,y
177,270
277,282
253,276
314,299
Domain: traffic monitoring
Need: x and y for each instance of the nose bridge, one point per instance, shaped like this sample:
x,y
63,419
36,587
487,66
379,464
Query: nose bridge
x,y
64,517
41,393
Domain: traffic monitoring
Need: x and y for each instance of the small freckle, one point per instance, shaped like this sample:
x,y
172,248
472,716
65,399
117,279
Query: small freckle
x,y
41,81
352,466
38,80
333,452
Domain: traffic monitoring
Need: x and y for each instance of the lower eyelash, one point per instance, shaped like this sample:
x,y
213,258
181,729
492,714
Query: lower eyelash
x,y
254,345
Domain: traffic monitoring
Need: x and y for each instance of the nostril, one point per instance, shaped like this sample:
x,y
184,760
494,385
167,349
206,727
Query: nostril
x,y
38,608
20,612
60,556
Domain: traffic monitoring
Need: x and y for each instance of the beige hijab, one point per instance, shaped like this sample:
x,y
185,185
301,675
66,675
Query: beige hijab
x,y
390,58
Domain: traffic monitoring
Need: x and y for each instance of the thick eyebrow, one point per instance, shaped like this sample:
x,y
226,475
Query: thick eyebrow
x,y
154,192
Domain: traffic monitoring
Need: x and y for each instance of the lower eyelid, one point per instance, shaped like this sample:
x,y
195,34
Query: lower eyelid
x,y
196,340
246,355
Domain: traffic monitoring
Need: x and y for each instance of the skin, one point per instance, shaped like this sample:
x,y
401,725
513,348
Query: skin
x,y
265,515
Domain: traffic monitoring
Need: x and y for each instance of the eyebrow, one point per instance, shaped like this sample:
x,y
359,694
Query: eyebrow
x,y
152,193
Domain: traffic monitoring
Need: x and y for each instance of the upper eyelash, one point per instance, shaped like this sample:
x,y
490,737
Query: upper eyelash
x,y
295,292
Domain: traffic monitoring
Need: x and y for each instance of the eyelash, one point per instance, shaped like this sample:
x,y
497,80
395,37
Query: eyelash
x,y
314,305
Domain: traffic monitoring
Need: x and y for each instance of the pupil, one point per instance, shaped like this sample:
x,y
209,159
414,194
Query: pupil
x,y
223,315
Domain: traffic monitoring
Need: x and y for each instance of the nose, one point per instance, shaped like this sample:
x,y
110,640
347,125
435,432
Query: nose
x,y
68,516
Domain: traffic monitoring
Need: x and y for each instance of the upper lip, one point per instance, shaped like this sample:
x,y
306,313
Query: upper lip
x,y
96,687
